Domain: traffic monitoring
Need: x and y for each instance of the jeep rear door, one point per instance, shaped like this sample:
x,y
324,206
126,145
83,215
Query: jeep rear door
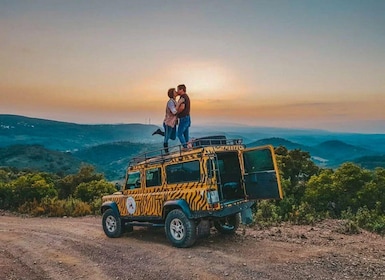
x,y
260,173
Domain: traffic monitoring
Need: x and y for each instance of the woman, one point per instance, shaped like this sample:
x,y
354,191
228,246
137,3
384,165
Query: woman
x,y
170,119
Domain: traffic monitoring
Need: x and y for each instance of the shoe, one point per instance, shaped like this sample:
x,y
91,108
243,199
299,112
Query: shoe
x,y
158,131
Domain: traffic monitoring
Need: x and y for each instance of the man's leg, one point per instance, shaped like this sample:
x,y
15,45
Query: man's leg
x,y
186,133
181,129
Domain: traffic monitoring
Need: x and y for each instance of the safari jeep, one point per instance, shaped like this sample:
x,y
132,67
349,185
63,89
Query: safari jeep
x,y
189,191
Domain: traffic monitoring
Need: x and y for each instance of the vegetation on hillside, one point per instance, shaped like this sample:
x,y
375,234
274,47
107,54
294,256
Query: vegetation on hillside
x,y
311,193
40,193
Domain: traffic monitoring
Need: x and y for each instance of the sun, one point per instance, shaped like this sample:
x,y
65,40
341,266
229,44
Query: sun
x,y
206,80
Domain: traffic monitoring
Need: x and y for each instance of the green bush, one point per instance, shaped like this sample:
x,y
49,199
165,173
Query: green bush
x,y
6,196
304,214
267,214
371,220
93,190
30,187
53,207
349,227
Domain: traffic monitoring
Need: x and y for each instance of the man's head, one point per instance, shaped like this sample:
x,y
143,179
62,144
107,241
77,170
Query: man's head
x,y
181,89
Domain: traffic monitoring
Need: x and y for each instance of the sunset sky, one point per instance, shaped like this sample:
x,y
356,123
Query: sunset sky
x,y
297,64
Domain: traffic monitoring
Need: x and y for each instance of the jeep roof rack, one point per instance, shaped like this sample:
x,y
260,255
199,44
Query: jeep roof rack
x,y
160,155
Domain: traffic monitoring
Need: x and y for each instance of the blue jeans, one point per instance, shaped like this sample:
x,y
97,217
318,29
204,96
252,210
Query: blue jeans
x,y
169,133
183,130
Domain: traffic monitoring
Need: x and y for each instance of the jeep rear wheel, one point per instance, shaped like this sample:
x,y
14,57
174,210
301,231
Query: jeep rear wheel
x,y
112,224
228,225
180,230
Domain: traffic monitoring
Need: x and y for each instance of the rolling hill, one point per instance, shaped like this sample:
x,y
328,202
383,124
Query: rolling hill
x,y
63,136
38,158
61,147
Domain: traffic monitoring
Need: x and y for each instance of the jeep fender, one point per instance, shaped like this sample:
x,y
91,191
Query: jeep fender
x,y
177,204
110,205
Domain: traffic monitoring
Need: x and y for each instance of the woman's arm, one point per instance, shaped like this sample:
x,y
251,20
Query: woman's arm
x,y
180,105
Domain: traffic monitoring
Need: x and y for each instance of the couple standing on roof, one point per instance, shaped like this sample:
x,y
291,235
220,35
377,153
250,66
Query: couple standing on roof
x,y
176,110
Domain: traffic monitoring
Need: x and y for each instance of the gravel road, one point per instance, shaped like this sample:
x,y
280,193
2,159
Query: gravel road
x,y
76,248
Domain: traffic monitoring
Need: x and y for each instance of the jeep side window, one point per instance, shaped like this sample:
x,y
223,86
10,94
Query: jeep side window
x,y
153,177
183,172
258,160
133,181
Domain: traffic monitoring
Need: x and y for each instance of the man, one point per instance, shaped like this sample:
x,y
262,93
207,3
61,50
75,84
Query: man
x,y
183,116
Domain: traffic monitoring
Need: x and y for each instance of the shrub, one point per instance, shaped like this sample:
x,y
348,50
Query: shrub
x,y
53,207
93,190
6,196
304,214
371,220
267,214
349,227
31,187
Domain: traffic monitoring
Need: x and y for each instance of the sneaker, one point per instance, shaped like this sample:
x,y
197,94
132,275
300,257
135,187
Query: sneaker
x,y
158,131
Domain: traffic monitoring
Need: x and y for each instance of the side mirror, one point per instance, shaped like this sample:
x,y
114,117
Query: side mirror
x,y
137,184
118,187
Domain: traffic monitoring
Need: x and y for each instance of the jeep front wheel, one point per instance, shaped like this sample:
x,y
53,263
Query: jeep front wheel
x,y
228,225
112,224
180,230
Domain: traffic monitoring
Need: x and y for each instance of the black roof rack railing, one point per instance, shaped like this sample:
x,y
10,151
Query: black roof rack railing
x,y
161,155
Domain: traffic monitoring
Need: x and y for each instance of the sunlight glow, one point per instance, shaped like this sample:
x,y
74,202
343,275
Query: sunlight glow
x,y
204,80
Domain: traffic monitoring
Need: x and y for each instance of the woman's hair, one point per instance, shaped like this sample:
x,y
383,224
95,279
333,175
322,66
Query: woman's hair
x,y
170,92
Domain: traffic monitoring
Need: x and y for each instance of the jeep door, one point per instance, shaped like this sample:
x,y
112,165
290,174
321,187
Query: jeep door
x,y
260,173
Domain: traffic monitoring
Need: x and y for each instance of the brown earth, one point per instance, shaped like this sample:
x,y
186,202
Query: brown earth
x,y
76,248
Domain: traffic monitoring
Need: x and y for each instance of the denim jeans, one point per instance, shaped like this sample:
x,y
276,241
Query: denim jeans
x,y
183,130
169,133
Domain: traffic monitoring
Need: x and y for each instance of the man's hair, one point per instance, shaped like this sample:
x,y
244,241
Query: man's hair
x,y
170,92
182,86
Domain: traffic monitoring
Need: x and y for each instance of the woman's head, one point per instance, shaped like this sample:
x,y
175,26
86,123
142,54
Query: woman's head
x,y
171,92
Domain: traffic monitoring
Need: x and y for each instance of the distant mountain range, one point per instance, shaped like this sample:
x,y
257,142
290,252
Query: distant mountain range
x,y
62,147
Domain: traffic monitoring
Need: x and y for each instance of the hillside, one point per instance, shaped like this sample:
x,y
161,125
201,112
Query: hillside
x,y
329,153
61,147
36,157
112,158
63,136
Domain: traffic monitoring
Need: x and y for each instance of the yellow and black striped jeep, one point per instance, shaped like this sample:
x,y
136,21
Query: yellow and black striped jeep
x,y
188,191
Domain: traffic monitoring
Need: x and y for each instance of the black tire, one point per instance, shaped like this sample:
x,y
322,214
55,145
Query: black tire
x,y
112,225
228,225
180,230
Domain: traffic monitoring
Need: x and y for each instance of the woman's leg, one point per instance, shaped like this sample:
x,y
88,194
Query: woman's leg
x,y
167,134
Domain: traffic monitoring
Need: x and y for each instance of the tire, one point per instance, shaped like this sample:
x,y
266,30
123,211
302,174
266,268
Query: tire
x,y
228,225
112,225
180,230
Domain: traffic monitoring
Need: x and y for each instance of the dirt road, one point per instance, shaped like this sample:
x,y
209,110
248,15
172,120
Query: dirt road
x,y
76,248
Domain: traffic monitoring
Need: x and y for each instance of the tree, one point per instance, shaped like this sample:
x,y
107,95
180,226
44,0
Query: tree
x,y
321,192
372,194
297,167
68,184
90,191
31,187
349,180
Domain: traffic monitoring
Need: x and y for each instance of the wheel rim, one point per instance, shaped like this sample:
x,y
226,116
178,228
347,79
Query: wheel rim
x,y
111,223
177,229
